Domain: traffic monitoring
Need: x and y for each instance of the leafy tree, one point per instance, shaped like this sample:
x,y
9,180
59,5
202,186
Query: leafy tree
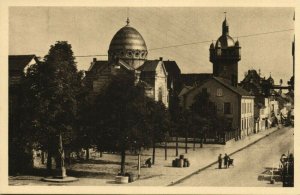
x,y
158,121
204,115
20,142
120,111
84,121
53,86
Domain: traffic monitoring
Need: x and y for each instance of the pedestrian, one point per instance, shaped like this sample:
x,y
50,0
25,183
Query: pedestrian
x,y
220,161
226,160
283,160
148,162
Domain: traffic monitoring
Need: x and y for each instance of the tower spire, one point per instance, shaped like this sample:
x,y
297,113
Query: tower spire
x,y
127,21
225,26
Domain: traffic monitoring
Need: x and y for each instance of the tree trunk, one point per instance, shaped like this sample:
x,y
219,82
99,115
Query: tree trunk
x,y
194,143
87,156
61,159
186,143
153,153
201,142
49,162
123,162
176,146
166,152
43,157
101,153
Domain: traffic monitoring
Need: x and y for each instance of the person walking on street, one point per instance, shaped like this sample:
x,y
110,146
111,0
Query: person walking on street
x,y
220,161
226,161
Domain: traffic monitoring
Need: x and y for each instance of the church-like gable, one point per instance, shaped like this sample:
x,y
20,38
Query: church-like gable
x,y
128,54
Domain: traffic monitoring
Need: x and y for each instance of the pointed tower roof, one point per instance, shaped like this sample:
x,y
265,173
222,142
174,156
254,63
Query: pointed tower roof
x,y
225,26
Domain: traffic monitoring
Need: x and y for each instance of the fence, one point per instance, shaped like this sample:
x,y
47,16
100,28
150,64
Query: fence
x,y
221,138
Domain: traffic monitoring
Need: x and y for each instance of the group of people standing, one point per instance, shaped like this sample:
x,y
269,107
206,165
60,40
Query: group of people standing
x,y
227,161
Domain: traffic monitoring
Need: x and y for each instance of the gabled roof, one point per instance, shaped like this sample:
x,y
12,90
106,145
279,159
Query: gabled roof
x,y
238,90
149,66
191,79
97,64
172,67
19,62
124,64
224,82
185,90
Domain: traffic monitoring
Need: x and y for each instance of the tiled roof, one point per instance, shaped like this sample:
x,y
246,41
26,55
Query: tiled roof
x,y
172,67
149,66
191,79
237,89
19,62
98,64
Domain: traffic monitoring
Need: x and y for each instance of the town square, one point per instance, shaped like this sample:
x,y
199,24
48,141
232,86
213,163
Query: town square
x,y
151,96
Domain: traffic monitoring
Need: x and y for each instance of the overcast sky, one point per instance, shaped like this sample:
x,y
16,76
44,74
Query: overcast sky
x,y
90,29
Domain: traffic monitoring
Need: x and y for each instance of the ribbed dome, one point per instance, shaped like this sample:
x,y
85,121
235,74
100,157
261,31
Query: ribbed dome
x,y
128,45
225,41
127,38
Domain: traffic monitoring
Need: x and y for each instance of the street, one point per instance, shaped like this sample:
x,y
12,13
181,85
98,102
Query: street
x,y
248,164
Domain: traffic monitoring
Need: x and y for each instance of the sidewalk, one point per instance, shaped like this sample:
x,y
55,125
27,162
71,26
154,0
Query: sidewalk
x,y
164,174
160,174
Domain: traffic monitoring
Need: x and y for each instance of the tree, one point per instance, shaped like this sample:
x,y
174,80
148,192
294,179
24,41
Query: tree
x,y
120,113
158,123
20,142
84,121
204,115
54,85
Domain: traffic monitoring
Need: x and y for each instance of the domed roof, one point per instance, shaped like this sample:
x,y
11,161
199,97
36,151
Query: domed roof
x,y
127,38
225,41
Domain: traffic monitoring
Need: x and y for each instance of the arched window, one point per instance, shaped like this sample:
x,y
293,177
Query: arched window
x,y
160,94
129,54
137,54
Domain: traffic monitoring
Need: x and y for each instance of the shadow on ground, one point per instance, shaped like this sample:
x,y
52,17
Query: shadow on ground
x,y
80,174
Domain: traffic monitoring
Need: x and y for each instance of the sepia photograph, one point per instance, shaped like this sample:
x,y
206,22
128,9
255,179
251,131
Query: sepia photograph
x,y
151,96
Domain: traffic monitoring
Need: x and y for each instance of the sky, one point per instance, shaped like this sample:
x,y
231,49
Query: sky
x,y
90,29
